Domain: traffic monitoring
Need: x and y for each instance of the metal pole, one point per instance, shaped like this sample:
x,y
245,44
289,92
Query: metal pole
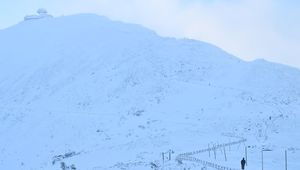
x,y
246,156
285,160
262,160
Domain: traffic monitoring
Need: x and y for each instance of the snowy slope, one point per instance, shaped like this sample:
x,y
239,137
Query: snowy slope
x,y
118,95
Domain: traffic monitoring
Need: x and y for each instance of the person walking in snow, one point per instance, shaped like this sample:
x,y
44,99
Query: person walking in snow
x,y
243,162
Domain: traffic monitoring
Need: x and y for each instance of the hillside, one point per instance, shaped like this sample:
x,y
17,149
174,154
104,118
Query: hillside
x,y
117,95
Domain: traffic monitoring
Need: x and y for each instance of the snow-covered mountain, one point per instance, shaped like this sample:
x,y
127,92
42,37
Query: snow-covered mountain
x,y
110,95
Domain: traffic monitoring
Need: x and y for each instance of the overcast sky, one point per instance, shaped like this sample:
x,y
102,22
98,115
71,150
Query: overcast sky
x,y
249,29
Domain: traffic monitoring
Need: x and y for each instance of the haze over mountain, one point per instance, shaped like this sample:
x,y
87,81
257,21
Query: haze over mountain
x,y
116,95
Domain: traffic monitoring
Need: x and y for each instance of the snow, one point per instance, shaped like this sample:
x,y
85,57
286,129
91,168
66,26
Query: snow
x,y
118,95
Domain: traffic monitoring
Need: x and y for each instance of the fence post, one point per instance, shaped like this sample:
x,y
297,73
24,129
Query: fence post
x,y
163,159
208,151
220,147
225,154
215,154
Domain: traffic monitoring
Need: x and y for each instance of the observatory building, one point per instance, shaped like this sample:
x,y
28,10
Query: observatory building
x,y
41,13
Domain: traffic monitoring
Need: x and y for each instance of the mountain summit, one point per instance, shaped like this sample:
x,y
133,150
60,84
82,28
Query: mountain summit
x,y
86,91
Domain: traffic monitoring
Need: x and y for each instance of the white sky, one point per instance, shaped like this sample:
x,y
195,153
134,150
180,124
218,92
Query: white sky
x,y
249,29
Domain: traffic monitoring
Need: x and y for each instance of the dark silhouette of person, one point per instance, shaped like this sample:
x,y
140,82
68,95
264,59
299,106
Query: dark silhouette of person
x,y
243,162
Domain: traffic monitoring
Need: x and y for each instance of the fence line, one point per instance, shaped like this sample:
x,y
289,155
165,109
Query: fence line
x,y
188,155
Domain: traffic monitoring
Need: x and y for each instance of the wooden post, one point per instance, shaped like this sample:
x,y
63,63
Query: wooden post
x,y
215,154
220,148
208,151
169,155
163,159
225,154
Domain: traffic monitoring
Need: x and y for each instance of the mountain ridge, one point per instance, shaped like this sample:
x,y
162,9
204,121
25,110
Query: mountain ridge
x,y
93,86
